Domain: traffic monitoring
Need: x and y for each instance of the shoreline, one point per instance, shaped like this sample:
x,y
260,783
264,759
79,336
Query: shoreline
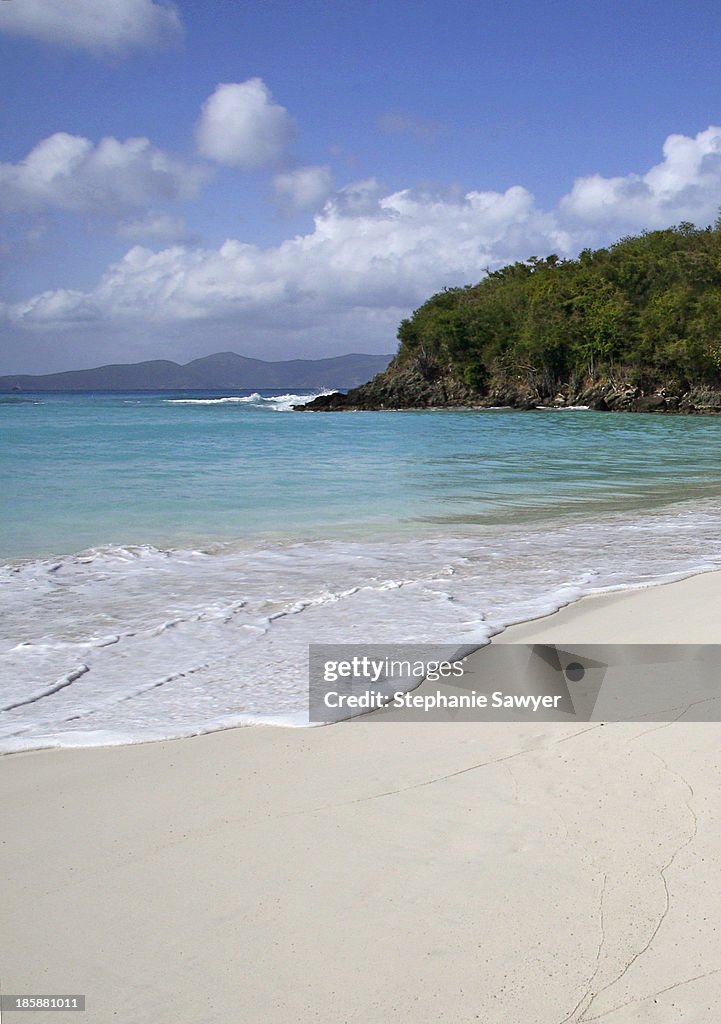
x,y
271,872
713,412
179,624
591,618
604,615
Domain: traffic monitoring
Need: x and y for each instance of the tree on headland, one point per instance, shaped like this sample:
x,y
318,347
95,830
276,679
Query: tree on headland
x,y
646,309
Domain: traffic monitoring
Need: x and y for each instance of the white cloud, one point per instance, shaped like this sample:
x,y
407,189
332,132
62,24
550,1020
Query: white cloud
x,y
305,188
685,186
70,173
359,199
369,259
63,305
241,126
392,252
113,25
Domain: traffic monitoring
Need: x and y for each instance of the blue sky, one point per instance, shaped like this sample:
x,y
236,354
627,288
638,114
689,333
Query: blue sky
x,y
291,179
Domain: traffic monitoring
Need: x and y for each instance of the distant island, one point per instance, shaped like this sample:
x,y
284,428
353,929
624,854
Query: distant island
x,y
634,327
222,371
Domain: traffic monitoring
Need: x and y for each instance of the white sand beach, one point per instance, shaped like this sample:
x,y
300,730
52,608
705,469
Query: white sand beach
x,y
507,873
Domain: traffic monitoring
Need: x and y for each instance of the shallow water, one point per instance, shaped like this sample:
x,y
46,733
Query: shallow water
x,y
170,557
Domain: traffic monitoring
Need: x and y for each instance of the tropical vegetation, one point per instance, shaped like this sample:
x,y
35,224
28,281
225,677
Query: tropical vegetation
x,y
646,310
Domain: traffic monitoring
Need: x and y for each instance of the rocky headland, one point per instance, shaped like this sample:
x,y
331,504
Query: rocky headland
x,y
632,328
412,387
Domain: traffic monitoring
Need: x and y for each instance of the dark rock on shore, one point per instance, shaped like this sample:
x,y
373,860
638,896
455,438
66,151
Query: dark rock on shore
x,y
400,387
701,400
414,385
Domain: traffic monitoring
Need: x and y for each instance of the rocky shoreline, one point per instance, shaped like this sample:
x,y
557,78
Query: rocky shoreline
x,y
404,387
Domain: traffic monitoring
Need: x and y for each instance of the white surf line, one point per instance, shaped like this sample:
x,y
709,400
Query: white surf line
x,y
64,681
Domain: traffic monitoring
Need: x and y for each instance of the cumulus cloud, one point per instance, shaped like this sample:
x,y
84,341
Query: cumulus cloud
x,y
371,256
63,305
685,186
304,188
359,199
112,26
241,126
389,250
71,173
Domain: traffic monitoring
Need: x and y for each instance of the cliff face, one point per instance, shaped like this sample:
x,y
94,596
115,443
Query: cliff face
x,y
401,386
408,385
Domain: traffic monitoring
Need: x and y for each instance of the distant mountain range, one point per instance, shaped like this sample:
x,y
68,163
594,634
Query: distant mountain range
x,y
224,370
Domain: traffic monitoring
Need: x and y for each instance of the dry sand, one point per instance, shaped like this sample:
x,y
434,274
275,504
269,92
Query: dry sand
x,y
507,873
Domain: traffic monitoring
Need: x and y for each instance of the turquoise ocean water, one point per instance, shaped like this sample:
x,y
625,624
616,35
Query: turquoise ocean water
x,y
168,557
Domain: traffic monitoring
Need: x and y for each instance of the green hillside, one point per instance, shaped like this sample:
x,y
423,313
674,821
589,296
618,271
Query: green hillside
x,y
646,310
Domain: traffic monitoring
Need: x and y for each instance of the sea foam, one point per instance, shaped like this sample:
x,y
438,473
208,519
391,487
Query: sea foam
x,y
121,644
278,403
